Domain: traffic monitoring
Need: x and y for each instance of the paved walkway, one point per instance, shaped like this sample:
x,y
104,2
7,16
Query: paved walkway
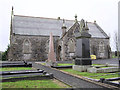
x,y
68,79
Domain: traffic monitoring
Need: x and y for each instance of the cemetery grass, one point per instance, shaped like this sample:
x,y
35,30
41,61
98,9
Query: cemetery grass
x,y
34,84
65,64
97,64
15,68
92,75
114,56
62,64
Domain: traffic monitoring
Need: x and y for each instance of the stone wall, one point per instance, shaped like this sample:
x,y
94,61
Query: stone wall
x,y
100,47
30,47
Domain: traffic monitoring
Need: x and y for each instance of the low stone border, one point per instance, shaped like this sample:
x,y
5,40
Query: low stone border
x,y
102,80
47,76
102,70
24,64
102,75
17,65
20,72
113,79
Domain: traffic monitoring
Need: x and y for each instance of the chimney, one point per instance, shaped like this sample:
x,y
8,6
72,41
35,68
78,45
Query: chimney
x,y
75,17
58,18
94,21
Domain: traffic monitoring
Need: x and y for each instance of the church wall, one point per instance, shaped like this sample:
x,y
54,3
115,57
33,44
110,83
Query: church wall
x,y
101,51
30,47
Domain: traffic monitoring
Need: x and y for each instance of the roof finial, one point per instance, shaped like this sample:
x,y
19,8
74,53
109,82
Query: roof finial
x,y
75,17
12,10
94,21
63,21
86,27
64,24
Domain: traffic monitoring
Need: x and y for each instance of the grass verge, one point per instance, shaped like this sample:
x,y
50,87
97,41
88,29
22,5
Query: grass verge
x,y
32,84
65,64
15,68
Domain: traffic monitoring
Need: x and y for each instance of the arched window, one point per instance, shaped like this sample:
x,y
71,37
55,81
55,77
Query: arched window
x,y
94,52
27,46
101,47
71,46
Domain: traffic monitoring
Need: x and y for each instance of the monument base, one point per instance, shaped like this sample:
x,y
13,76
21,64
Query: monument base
x,y
82,64
81,68
83,61
50,63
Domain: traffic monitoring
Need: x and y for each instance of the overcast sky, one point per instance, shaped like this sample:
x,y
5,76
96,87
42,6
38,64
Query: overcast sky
x,y
105,12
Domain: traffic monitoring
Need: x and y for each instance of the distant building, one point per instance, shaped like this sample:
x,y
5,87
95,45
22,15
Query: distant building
x,y
29,38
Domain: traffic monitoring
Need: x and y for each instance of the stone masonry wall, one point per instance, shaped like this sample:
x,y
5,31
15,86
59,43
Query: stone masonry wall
x,y
95,44
38,46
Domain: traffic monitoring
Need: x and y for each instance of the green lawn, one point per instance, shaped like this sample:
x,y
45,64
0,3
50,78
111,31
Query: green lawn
x,y
106,76
94,75
65,64
104,67
31,84
15,68
114,56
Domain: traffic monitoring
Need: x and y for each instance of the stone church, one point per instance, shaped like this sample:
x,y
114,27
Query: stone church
x,y
29,38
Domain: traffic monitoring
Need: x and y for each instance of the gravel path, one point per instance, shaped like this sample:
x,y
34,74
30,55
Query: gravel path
x,y
68,79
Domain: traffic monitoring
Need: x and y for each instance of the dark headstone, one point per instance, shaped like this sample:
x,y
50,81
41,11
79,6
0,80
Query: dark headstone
x,y
82,53
115,53
82,48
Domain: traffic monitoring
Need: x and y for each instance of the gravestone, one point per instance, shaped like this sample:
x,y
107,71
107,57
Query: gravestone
x,y
82,53
51,54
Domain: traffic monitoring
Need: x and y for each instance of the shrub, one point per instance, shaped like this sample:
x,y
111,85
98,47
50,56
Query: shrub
x,y
4,54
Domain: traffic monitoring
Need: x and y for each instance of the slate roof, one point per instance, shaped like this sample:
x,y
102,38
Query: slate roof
x,y
27,25
96,31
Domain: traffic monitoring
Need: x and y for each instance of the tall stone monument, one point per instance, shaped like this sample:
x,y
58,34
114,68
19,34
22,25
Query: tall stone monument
x,y
51,54
82,53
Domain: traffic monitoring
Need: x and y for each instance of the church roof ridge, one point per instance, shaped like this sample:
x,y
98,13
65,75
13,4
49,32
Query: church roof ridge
x,y
43,17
